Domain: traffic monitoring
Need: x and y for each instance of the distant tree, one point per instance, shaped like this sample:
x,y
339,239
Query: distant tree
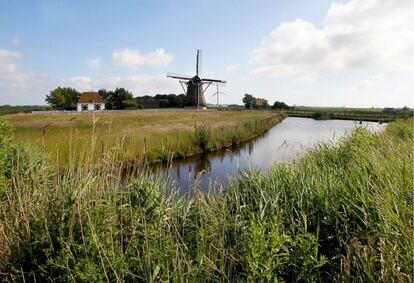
x,y
249,101
280,105
63,98
55,99
107,96
173,100
115,99
176,100
129,104
405,108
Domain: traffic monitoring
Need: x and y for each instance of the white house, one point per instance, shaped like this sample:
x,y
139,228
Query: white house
x,y
90,101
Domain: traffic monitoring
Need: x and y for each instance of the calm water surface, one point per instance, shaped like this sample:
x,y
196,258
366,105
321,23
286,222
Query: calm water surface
x,y
282,143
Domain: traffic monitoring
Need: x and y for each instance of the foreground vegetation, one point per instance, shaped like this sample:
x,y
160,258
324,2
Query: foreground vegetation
x,y
152,135
340,213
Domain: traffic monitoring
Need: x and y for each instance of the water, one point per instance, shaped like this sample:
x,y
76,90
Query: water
x,y
282,143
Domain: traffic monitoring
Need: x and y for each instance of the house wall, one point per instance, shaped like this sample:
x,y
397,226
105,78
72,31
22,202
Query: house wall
x,y
91,106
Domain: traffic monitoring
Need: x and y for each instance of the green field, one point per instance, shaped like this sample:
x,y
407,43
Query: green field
x,y
340,213
151,134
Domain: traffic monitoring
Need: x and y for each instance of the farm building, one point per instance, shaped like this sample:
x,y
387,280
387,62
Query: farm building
x,y
261,103
90,101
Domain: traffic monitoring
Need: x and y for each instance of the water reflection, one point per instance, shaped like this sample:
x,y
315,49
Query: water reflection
x,y
282,143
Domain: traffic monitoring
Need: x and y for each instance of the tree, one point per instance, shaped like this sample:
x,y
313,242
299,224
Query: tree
x,y
120,95
115,99
129,104
249,101
107,96
280,105
63,98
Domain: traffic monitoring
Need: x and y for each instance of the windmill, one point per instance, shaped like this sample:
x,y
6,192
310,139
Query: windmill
x,y
195,90
217,93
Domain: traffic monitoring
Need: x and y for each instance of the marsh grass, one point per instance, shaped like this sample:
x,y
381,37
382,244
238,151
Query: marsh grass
x,y
339,213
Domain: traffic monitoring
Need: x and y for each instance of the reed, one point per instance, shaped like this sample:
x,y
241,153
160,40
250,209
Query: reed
x,y
340,213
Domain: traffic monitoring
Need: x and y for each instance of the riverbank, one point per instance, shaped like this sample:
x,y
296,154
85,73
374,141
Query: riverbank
x,y
339,213
371,115
71,139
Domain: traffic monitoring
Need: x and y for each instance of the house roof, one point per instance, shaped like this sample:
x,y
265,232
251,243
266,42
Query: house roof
x,y
90,97
260,101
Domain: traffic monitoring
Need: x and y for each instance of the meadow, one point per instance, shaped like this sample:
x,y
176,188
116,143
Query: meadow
x,y
150,135
340,213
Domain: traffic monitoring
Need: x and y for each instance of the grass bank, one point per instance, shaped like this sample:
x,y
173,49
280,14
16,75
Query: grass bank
x,y
358,114
153,135
340,213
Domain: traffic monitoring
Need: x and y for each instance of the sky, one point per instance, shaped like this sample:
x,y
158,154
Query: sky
x,y
355,53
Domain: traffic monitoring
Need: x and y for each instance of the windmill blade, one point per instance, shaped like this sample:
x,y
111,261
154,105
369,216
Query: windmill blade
x,y
198,53
177,76
214,80
199,62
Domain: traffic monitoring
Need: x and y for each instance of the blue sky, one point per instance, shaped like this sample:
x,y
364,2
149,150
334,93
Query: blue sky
x,y
303,52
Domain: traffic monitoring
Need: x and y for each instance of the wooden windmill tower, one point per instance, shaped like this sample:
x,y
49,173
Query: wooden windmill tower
x,y
195,86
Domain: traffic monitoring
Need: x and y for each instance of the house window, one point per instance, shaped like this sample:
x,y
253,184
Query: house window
x,y
97,107
84,107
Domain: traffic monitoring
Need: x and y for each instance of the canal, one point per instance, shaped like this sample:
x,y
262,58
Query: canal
x,y
282,143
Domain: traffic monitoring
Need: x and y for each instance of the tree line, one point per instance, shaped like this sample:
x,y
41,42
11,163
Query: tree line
x,y
251,102
65,98
169,100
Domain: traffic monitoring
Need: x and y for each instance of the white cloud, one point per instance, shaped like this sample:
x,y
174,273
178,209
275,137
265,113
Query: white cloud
x,y
133,59
359,34
94,63
16,85
306,78
10,72
232,67
15,41
374,80
138,84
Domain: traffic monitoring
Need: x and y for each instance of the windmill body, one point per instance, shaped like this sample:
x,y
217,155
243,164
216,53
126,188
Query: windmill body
x,y
195,86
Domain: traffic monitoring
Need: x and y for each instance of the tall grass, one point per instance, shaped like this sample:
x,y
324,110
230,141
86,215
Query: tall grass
x,y
340,213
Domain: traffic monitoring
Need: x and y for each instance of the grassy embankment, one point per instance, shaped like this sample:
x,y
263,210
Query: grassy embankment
x,y
146,135
340,213
361,114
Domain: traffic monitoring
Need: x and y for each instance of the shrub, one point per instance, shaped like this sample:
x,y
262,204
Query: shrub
x,y
322,115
